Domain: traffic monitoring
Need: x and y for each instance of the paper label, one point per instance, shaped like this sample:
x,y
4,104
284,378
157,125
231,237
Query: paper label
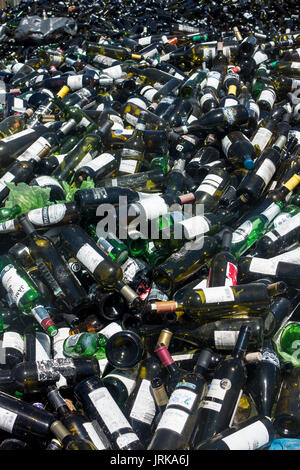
x,y
225,339
260,57
210,184
7,420
47,181
17,135
13,283
108,410
226,143
241,233
126,377
154,207
173,420
128,166
42,346
195,226
144,408
218,294
261,138
249,438
271,211
47,215
183,397
94,437
266,170
290,225
6,178
75,82
268,96
89,257
11,339
32,153
218,388
263,266
126,439
211,405
58,341
111,329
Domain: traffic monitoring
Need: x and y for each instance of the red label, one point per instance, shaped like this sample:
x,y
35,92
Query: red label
x,y
231,275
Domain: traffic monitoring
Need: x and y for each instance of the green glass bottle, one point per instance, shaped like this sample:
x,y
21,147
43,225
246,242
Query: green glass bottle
x,y
287,342
253,229
27,298
85,345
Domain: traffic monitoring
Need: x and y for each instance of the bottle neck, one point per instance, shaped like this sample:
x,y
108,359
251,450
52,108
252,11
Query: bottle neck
x,y
166,359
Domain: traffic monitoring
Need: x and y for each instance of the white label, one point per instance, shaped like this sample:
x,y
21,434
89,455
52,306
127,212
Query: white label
x,y
58,341
7,420
183,397
210,184
126,439
226,143
34,150
42,346
85,161
267,95
211,405
218,294
148,92
11,339
230,102
204,98
6,178
261,138
249,438
128,166
195,226
13,283
17,135
201,284
75,82
266,170
271,211
108,410
47,215
216,390
173,419
144,406
295,65
8,226
242,232
111,329
114,72
154,207
290,224
263,266
213,79
137,102
94,436
260,57
89,257
272,236
225,339
47,181
292,256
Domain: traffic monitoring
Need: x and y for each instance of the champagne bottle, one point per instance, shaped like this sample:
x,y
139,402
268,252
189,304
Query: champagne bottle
x,y
253,434
182,407
99,405
223,267
219,405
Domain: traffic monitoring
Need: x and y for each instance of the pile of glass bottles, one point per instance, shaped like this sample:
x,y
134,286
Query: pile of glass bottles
x,y
149,226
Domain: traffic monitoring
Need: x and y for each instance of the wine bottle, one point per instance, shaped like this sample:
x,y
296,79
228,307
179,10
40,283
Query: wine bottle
x,y
25,294
286,419
215,302
11,348
223,267
85,345
32,377
120,384
107,272
124,349
239,150
218,407
76,423
99,405
264,380
182,408
68,441
212,188
148,181
175,373
253,434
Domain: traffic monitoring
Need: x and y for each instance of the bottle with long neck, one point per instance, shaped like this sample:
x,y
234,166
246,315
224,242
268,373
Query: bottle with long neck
x,y
25,293
132,153
223,266
253,434
99,405
46,107
286,419
76,423
104,270
264,380
86,150
175,373
213,303
69,441
42,248
212,188
182,407
219,405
